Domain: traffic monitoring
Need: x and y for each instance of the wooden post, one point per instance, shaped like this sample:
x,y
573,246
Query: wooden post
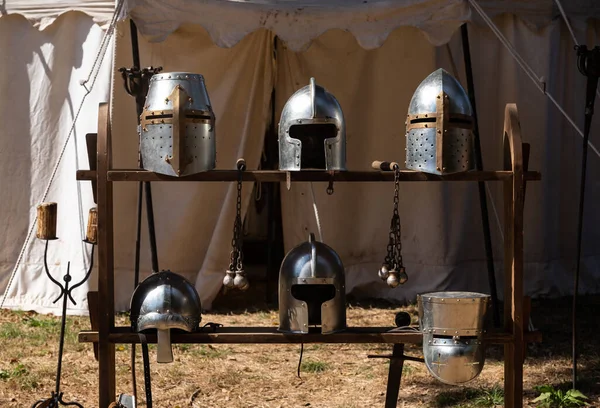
x,y
513,260
46,220
91,235
106,315
394,376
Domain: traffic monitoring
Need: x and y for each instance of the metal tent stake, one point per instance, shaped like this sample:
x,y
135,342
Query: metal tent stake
x,y
56,399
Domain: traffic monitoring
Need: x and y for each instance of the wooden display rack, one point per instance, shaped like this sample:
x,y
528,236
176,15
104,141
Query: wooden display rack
x,y
513,336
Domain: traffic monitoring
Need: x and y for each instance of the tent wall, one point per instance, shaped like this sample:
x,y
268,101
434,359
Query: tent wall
x,y
194,221
442,235
40,74
441,223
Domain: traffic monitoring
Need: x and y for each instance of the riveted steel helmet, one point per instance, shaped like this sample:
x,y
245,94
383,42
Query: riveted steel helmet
x,y
312,290
165,301
177,125
439,127
453,325
312,131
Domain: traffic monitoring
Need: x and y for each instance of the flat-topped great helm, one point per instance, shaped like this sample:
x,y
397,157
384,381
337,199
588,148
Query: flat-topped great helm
x,y
312,131
177,125
165,301
439,127
312,289
453,325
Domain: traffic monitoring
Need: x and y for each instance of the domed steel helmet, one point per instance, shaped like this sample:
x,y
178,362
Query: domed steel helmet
x,y
453,325
165,301
312,131
439,124
312,289
177,126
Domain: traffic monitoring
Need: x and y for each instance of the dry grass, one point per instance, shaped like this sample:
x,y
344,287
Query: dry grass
x,y
242,376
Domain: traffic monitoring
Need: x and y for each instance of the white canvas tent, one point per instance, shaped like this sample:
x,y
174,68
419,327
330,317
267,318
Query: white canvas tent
x,y
371,55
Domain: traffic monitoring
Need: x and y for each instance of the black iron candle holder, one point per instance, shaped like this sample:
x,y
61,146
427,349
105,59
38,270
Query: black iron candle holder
x,y
56,399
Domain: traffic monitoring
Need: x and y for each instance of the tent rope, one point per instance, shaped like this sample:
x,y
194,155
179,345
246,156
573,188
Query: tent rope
x,y
317,218
564,16
487,187
539,83
93,75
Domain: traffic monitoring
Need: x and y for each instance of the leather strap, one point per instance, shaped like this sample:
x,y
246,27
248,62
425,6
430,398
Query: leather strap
x,y
146,358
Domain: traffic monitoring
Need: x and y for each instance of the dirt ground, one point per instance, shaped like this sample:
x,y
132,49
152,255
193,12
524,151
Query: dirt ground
x,y
243,376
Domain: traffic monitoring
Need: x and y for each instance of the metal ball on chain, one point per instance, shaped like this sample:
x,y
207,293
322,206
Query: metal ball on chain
x,y
228,280
240,281
402,276
384,272
392,280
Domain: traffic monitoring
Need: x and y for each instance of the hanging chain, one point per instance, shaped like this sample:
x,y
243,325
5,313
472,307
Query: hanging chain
x,y
237,229
392,270
235,276
397,227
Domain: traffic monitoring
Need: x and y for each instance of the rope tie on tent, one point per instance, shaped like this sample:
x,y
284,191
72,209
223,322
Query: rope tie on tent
x,y
539,83
93,75
570,28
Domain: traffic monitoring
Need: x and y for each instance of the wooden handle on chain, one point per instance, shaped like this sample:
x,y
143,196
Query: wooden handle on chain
x,y
46,220
240,164
384,166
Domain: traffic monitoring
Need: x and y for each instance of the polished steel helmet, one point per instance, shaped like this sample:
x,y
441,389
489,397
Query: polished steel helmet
x,y
312,131
439,127
165,301
177,125
312,289
453,325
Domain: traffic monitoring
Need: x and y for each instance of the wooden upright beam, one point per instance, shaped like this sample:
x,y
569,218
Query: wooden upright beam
x,y
106,315
513,259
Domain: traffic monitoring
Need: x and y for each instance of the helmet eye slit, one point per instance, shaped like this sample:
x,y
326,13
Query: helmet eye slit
x,y
313,136
423,120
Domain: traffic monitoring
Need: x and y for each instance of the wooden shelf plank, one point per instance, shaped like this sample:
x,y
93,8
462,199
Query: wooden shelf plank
x,y
275,176
270,335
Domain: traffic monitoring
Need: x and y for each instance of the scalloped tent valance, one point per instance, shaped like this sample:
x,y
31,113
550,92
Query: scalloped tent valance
x,y
298,22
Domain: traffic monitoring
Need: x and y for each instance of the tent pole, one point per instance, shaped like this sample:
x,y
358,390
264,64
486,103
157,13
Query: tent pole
x,y
136,84
274,222
140,97
588,63
487,238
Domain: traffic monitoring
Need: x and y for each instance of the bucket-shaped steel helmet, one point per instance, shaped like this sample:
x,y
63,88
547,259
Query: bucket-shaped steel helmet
x,y
177,125
453,325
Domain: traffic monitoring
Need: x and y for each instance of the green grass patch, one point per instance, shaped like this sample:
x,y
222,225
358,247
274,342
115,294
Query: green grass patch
x,y
313,366
471,397
210,351
11,331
